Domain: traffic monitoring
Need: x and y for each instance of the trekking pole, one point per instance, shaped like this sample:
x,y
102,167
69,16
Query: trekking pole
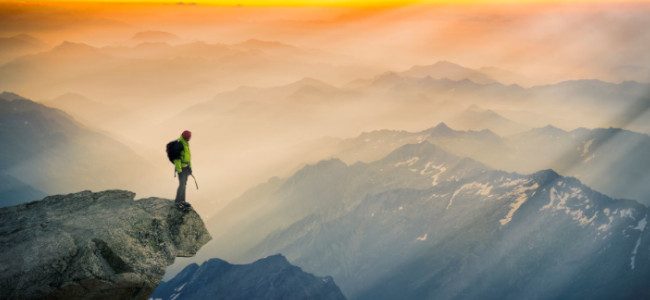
x,y
197,185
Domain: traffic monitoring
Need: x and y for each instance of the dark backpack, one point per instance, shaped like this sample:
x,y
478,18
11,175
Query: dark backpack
x,y
174,149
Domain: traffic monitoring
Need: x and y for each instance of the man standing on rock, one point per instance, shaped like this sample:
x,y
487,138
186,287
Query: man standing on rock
x,y
183,165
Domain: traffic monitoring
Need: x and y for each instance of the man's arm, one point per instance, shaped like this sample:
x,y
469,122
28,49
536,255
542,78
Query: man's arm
x,y
177,165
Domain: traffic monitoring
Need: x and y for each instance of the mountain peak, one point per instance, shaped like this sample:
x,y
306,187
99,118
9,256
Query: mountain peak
x,y
446,63
154,36
546,176
475,108
72,48
387,78
28,39
9,96
550,129
311,81
452,71
257,43
422,150
275,259
441,130
272,277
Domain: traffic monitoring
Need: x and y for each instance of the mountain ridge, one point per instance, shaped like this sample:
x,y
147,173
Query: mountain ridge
x,y
272,277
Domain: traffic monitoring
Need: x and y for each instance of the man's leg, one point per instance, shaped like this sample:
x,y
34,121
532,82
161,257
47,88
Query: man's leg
x,y
182,183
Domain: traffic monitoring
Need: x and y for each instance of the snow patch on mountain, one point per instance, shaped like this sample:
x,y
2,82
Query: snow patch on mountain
x,y
435,170
423,237
522,196
586,146
482,189
559,199
510,182
640,226
409,162
610,219
633,257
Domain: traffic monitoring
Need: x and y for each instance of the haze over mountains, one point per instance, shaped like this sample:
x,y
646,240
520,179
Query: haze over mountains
x,y
423,223
49,152
610,160
14,46
414,152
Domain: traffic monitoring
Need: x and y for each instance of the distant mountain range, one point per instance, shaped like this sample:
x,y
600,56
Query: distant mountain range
x,y
18,45
448,70
477,118
425,98
272,277
612,161
154,36
423,223
86,110
158,69
48,151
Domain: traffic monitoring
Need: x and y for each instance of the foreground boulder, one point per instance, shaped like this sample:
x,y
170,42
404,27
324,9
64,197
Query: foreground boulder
x,y
269,278
93,245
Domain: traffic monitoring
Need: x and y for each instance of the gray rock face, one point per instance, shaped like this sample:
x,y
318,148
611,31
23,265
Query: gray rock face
x,y
93,245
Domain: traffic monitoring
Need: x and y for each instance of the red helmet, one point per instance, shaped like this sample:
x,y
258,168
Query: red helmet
x,y
187,135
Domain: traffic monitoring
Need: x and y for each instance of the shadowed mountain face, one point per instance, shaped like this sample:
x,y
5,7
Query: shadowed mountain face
x,y
423,223
272,277
46,149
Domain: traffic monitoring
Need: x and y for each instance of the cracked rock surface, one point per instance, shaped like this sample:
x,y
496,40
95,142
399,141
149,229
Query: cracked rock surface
x,y
103,245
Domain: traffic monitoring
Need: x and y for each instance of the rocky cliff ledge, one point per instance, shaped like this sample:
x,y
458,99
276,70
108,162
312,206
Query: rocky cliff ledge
x,y
93,245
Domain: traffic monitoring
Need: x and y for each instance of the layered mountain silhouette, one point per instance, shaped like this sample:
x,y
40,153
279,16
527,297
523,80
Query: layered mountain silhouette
x,y
154,36
459,101
272,277
448,70
477,118
49,151
157,68
86,110
19,45
423,223
608,159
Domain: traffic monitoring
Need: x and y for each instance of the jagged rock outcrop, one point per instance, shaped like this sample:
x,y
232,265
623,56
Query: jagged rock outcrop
x,y
272,277
93,245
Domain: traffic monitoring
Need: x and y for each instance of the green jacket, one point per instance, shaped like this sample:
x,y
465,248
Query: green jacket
x,y
186,155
